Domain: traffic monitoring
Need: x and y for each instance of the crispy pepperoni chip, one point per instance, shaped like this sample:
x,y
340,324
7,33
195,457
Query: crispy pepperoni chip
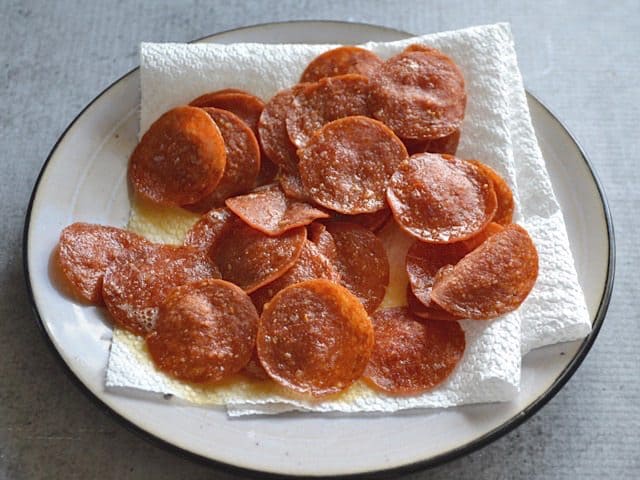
x,y
85,251
506,205
135,285
371,221
440,198
320,103
411,356
340,61
422,311
243,160
270,211
419,95
320,236
311,264
205,332
492,280
361,262
209,228
347,165
292,186
272,130
315,338
180,159
208,98
244,105
447,144
254,369
251,259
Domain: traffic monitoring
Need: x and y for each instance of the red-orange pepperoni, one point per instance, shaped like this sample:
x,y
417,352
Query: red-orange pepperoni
x,y
329,99
291,185
320,236
244,105
422,311
492,280
411,356
340,61
447,144
180,159
86,251
271,212
440,198
206,99
254,369
251,259
371,221
361,261
208,229
311,264
243,160
205,332
347,165
135,286
506,204
273,130
315,338
419,95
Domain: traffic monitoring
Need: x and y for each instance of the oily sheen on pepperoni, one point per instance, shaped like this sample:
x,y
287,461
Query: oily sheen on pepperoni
x,y
317,104
180,159
346,166
292,186
361,261
371,221
504,196
431,312
85,251
315,338
271,212
243,160
320,236
311,264
492,280
205,332
419,95
135,285
448,144
440,198
411,356
272,130
340,61
244,105
251,259
209,228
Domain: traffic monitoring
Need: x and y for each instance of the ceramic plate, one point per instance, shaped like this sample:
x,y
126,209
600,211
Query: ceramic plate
x,y
84,180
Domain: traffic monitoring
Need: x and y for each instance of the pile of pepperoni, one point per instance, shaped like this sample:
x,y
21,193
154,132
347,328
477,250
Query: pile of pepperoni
x,y
283,275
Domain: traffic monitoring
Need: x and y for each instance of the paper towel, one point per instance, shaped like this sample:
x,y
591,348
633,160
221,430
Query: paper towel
x,y
497,130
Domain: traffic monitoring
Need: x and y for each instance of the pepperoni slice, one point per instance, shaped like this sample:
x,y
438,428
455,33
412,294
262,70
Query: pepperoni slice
x,y
254,369
85,251
315,338
371,221
180,159
419,95
340,61
411,356
271,212
361,261
251,259
492,280
346,166
448,144
423,263
320,236
135,286
291,185
209,98
244,105
243,160
322,102
311,264
273,129
506,205
208,229
440,198
205,332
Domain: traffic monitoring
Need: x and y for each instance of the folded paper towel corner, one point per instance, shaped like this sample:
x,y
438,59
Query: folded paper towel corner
x,y
497,130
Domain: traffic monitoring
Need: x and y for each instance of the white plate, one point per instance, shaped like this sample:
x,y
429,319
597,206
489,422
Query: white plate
x,y
84,180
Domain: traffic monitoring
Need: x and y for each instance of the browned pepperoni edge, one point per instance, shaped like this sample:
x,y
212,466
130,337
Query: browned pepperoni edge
x,y
208,229
340,61
506,204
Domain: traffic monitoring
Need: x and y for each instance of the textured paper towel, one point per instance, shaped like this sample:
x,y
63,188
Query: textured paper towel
x,y
497,127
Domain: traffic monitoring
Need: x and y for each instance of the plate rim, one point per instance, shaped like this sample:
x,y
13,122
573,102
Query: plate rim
x,y
458,452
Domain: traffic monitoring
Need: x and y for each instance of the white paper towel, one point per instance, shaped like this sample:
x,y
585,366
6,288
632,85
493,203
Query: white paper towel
x,y
497,130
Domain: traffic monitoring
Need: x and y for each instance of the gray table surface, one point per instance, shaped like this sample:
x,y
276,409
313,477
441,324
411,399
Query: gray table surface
x,y
580,58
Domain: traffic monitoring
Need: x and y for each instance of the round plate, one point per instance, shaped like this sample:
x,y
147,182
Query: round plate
x,y
84,180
